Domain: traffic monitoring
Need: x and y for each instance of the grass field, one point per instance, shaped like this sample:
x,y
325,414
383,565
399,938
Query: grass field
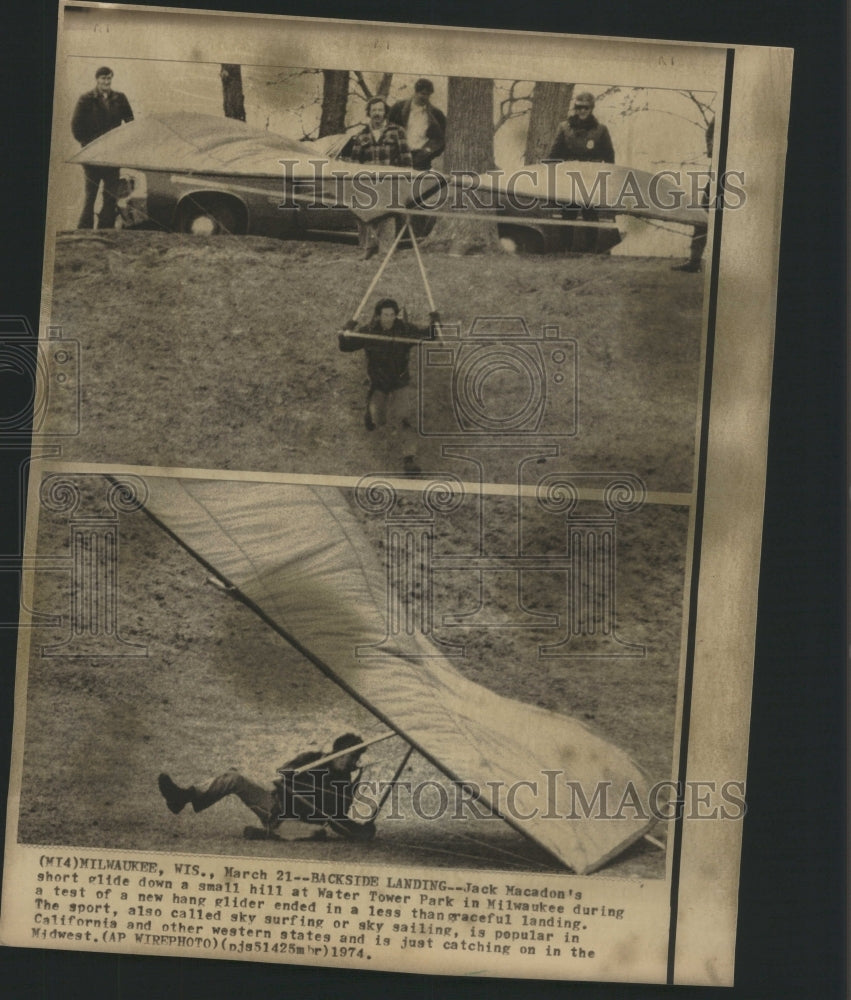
x,y
221,352
217,688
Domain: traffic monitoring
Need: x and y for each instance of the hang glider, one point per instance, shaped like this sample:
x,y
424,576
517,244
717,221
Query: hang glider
x,y
178,148
604,187
607,187
272,179
182,141
296,555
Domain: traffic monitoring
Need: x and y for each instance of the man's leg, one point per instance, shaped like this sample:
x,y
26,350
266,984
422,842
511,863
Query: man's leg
x,y
695,254
698,241
367,239
585,237
568,232
368,422
385,232
109,206
92,181
377,407
260,800
402,418
353,830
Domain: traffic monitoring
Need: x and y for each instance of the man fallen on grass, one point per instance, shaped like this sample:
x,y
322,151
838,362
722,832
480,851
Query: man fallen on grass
x,y
319,795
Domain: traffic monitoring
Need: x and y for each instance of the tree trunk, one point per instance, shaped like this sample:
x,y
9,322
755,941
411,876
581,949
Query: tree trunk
x,y
469,147
335,97
550,106
232,96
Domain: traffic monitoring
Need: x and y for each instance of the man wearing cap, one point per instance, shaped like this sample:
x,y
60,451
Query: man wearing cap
x,y
97,112
424,124
583,138
319,795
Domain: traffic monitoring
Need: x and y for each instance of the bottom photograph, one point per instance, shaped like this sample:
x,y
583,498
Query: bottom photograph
x,y
411,713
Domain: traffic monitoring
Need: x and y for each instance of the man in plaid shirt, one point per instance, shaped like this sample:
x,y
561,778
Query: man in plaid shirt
x,y
380,141
384,144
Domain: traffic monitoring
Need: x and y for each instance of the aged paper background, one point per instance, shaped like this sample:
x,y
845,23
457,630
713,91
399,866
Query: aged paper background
x,y
717,633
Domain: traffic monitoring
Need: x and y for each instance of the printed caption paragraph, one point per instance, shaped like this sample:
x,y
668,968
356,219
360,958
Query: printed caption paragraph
x,y
260,910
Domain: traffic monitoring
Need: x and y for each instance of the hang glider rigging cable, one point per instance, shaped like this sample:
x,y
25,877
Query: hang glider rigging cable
x,y
406,227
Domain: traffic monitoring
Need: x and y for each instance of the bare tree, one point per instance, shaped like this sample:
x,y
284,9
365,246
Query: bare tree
x,y
514,105
382,90
550,106
469,147
335,99
232,95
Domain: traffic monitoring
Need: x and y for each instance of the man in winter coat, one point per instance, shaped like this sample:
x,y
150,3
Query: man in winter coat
x,y
583,138
97,112
390,400
424,124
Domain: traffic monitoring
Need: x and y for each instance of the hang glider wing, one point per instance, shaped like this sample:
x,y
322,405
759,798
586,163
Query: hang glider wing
x,y
604,186
182,142
299,558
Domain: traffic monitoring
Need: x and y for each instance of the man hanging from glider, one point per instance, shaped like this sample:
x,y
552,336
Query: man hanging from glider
x,y
313,787
387,341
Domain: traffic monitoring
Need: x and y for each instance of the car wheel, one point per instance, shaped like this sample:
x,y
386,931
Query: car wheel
x,y
523,238
211,217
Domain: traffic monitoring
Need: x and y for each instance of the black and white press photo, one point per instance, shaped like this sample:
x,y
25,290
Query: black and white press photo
x,y
393,521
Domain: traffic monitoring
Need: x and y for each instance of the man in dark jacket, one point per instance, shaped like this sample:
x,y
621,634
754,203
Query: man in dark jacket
x,y
387,346
319,795
97,112
424,124
583,138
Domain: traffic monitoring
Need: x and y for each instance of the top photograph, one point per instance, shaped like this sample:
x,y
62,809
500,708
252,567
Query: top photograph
x,y
264,265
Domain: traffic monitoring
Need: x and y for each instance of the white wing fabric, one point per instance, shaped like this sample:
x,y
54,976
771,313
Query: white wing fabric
x,y
298,555
182,142
608,187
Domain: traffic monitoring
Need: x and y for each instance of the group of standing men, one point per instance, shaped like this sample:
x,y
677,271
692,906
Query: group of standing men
x,y
411,133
